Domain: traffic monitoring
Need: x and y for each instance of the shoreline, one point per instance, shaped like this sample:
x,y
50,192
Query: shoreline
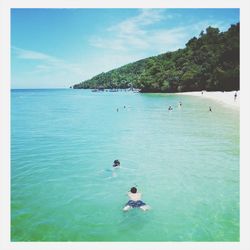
x,y
225,98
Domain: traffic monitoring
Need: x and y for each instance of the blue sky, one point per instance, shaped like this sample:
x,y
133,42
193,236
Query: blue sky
x,y
53,48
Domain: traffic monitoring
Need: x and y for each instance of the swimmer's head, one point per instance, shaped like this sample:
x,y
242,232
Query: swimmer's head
x,y
133,190
116,163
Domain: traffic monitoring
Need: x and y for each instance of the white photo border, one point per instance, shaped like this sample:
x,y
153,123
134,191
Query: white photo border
x,y
5,86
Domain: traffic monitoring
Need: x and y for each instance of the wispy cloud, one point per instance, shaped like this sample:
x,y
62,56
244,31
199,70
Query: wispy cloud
x,y
130,32
139,33
45,62
134,25
29,54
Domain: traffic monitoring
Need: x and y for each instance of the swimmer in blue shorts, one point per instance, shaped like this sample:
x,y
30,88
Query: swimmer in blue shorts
x,y
135,201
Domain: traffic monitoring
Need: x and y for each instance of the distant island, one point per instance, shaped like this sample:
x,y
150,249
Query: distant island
x,y
209,62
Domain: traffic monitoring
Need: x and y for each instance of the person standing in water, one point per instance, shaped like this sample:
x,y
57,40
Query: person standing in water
x,y
235,96
210,109
135,200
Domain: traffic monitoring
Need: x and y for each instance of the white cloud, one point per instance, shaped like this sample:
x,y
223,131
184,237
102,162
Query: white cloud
x,y
134,25
28,54
137,34
44,70
130,33
45,62
116,44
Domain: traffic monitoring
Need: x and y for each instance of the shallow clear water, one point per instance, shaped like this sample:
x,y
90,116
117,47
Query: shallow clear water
x,y
185,162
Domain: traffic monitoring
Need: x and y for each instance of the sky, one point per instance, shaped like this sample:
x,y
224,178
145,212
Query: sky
x,y
56,48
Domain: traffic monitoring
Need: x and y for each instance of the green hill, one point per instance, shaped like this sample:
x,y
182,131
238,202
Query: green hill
x,y
209,62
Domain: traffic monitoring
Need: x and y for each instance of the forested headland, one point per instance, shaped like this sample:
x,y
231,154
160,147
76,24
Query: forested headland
x,y
209,62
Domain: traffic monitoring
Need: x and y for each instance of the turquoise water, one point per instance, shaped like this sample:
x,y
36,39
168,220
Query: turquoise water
x,y
185,162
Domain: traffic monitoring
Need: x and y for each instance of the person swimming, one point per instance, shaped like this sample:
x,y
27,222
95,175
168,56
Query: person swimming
x,y
116,163
170,108
135,201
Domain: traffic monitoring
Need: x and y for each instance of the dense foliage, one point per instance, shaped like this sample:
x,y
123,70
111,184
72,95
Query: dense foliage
x,y
210,62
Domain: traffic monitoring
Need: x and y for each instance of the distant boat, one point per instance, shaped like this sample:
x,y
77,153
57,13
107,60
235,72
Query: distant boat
x,y
136,90
99,89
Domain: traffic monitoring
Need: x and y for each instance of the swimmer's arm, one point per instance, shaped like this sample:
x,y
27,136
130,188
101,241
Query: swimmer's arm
x,y
129,195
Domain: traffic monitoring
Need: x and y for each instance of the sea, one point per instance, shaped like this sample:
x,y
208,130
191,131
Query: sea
x,y
184,162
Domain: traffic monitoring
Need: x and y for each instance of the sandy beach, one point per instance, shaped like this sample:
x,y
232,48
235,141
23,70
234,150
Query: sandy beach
x,y
226,97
